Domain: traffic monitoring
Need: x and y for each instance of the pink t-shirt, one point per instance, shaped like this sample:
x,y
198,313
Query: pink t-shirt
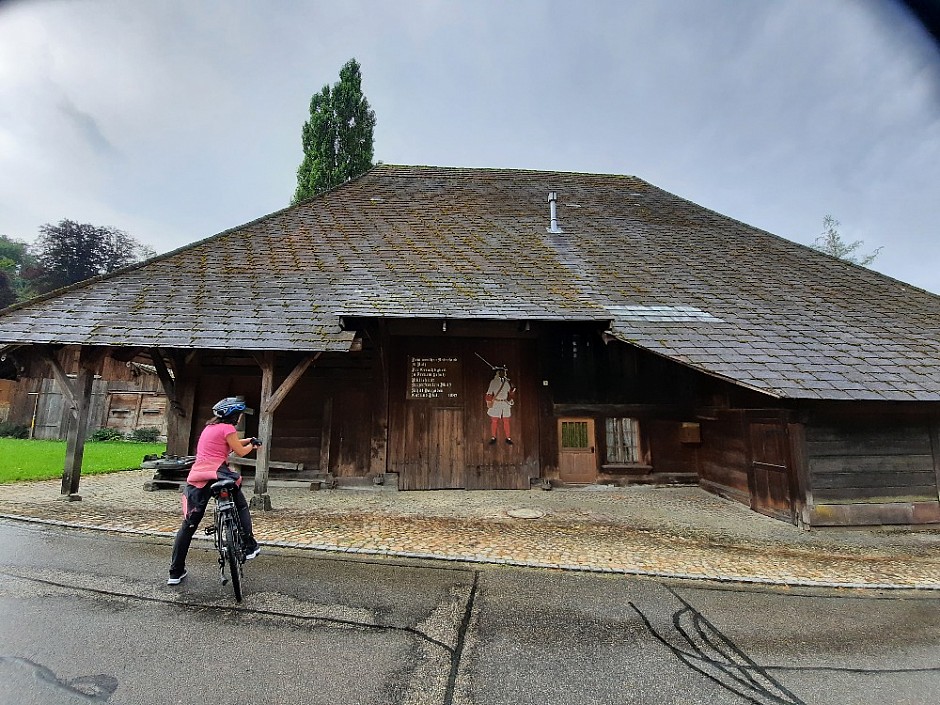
x,y
212,451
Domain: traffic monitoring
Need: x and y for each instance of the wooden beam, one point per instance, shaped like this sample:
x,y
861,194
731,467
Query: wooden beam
x,y
179,425
325,436
166,379
803,498
88,361
179,387
281,465
261,500
278,396
62,379
270,400
378,446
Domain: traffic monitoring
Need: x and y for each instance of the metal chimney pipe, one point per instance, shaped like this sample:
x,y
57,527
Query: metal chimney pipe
x,y
553,212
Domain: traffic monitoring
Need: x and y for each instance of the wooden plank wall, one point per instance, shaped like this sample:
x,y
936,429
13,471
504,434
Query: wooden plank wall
x,y
666,451
113,370
325,422
880,467
443,442
859,462
7,390
36,400
773,480
724,455
39,404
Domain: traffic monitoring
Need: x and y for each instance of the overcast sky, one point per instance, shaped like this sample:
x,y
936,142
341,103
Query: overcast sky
x,y
177,119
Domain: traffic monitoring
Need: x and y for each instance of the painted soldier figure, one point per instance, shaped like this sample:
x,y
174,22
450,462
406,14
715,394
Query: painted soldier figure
x,y
500,397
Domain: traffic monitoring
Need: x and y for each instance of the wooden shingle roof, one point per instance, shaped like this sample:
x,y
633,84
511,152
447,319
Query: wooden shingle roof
x,y
665,274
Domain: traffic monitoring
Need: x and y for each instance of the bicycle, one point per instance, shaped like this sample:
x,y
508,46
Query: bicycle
x,y
229,537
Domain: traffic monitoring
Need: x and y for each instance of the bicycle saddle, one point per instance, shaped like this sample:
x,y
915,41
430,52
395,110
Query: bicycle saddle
x,y
222,485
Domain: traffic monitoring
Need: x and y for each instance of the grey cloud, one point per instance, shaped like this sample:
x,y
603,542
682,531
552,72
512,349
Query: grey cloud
x,y
87,127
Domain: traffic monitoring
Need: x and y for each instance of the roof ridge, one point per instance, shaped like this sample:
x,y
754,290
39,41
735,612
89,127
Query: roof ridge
x,y
501,170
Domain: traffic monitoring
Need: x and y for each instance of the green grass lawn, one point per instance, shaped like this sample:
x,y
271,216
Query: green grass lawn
x,y
44,460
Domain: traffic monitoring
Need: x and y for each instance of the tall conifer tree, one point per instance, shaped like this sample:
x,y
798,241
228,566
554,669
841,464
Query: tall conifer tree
x,y
337,139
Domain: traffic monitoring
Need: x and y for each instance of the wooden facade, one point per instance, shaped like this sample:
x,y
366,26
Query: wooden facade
x,y
877,467
7,392
411,402
125,396
438,424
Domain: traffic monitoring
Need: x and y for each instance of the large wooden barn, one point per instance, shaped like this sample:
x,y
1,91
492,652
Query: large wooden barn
x,y
474,328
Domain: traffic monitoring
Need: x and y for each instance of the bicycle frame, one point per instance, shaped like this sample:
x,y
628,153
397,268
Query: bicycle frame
x,y
228,535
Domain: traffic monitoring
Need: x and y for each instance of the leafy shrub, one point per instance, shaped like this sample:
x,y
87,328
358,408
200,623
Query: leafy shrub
x,y
145,435
12,430
107,434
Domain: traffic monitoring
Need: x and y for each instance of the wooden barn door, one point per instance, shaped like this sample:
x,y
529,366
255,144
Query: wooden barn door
x,y
446,447
770,469
440,429
492,462
429,437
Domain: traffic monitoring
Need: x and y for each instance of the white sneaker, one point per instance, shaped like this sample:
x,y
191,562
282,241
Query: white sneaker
x,y
253,554
177,580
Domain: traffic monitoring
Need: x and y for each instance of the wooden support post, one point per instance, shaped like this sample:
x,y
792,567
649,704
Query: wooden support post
x,y
803,499
187,370
75,445
261,500
166,379
62,379
378,458
271,398
180,388
326,436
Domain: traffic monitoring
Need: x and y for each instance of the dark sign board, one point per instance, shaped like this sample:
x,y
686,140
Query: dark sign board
x,y
433,378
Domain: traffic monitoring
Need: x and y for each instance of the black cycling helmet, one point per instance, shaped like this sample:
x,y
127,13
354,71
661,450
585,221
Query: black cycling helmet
x,y
229,406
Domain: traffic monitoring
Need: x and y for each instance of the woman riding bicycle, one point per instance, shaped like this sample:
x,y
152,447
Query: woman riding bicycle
x,y
218,439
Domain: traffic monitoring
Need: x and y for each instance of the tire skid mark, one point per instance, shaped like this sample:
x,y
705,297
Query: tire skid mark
x,y
232,609
709,652
461,641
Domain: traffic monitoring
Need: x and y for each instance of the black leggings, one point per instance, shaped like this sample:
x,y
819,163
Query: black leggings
x,y
197,499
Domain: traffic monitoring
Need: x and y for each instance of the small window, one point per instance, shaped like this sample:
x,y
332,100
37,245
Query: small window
x,y
575,435
623,441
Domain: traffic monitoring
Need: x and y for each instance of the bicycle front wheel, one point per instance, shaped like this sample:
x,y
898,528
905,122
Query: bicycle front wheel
x,y
231,555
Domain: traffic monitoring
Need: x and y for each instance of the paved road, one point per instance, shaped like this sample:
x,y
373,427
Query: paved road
x,y
85,617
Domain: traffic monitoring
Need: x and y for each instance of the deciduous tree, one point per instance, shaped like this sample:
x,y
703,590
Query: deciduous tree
x,y
70,252
7,292
19,267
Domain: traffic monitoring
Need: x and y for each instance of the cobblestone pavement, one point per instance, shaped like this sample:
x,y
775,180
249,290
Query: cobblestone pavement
x,y
662,531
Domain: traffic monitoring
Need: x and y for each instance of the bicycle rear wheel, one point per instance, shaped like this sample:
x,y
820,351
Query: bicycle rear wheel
x,y
231,555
